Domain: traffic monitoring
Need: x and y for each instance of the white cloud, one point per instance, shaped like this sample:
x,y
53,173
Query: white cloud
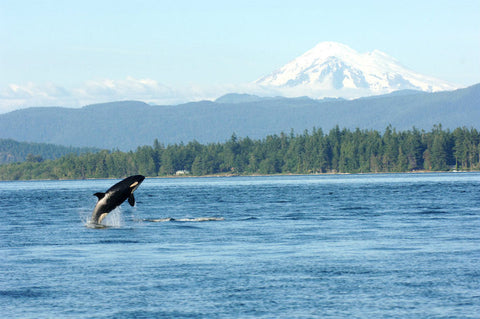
x,y
16,96
107,90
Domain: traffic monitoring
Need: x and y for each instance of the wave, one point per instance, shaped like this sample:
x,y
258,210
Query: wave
x,y
118,241
250,218
170,219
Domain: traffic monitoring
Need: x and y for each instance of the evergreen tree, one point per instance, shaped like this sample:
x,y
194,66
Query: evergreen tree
x,y
338,151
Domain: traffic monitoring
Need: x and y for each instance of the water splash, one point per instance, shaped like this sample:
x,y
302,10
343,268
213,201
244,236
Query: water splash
x,y
85,216
114,219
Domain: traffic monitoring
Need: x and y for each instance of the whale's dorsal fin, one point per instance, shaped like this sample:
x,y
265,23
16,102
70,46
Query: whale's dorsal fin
x,y
99,195
131,200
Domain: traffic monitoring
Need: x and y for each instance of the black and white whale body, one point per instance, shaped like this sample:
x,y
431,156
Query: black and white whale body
x,y
115,196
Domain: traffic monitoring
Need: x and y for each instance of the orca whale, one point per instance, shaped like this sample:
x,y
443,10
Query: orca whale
x,y
115,196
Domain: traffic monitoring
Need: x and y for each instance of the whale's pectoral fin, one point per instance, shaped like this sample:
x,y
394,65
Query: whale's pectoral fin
x,y
131,200
99,195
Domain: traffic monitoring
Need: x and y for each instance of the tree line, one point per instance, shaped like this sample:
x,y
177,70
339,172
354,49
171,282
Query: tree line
x,y
315,151
12,151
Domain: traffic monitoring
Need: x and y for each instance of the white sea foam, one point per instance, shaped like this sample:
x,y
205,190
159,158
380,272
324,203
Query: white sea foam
x,y
170,219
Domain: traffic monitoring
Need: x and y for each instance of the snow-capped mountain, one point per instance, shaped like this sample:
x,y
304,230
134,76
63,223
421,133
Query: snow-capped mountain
x,y
336,70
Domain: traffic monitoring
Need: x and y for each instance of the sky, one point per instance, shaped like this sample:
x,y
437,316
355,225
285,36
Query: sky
x,y
73,53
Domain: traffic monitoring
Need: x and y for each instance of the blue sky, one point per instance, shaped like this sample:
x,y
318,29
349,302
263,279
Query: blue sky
x,y
75,52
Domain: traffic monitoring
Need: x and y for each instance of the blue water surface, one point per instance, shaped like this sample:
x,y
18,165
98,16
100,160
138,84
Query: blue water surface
x,y
329,246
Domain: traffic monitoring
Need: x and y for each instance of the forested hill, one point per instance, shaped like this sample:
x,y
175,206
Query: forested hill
x,y
12,151
338,151
126,125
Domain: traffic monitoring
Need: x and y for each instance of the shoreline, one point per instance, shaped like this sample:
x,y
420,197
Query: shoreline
x,y
227,175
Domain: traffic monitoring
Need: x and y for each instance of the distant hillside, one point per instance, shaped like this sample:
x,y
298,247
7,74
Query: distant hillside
x,y
12,151
126,125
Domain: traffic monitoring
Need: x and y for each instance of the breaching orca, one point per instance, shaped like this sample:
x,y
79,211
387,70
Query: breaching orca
x,y
115,196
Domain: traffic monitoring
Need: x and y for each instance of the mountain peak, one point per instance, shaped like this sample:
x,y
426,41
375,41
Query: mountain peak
x,y
330,49
335,69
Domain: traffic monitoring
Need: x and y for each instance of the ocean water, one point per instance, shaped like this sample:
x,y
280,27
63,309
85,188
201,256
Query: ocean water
x,y
335,246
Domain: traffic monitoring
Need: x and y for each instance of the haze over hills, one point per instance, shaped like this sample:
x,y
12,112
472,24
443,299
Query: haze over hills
x,y
128,124
336,70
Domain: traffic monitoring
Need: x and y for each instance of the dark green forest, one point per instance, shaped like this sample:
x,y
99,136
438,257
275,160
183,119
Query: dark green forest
x,y
311,152
12,151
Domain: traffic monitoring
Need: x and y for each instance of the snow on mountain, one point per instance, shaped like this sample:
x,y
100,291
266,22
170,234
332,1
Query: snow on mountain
x,y
334,69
